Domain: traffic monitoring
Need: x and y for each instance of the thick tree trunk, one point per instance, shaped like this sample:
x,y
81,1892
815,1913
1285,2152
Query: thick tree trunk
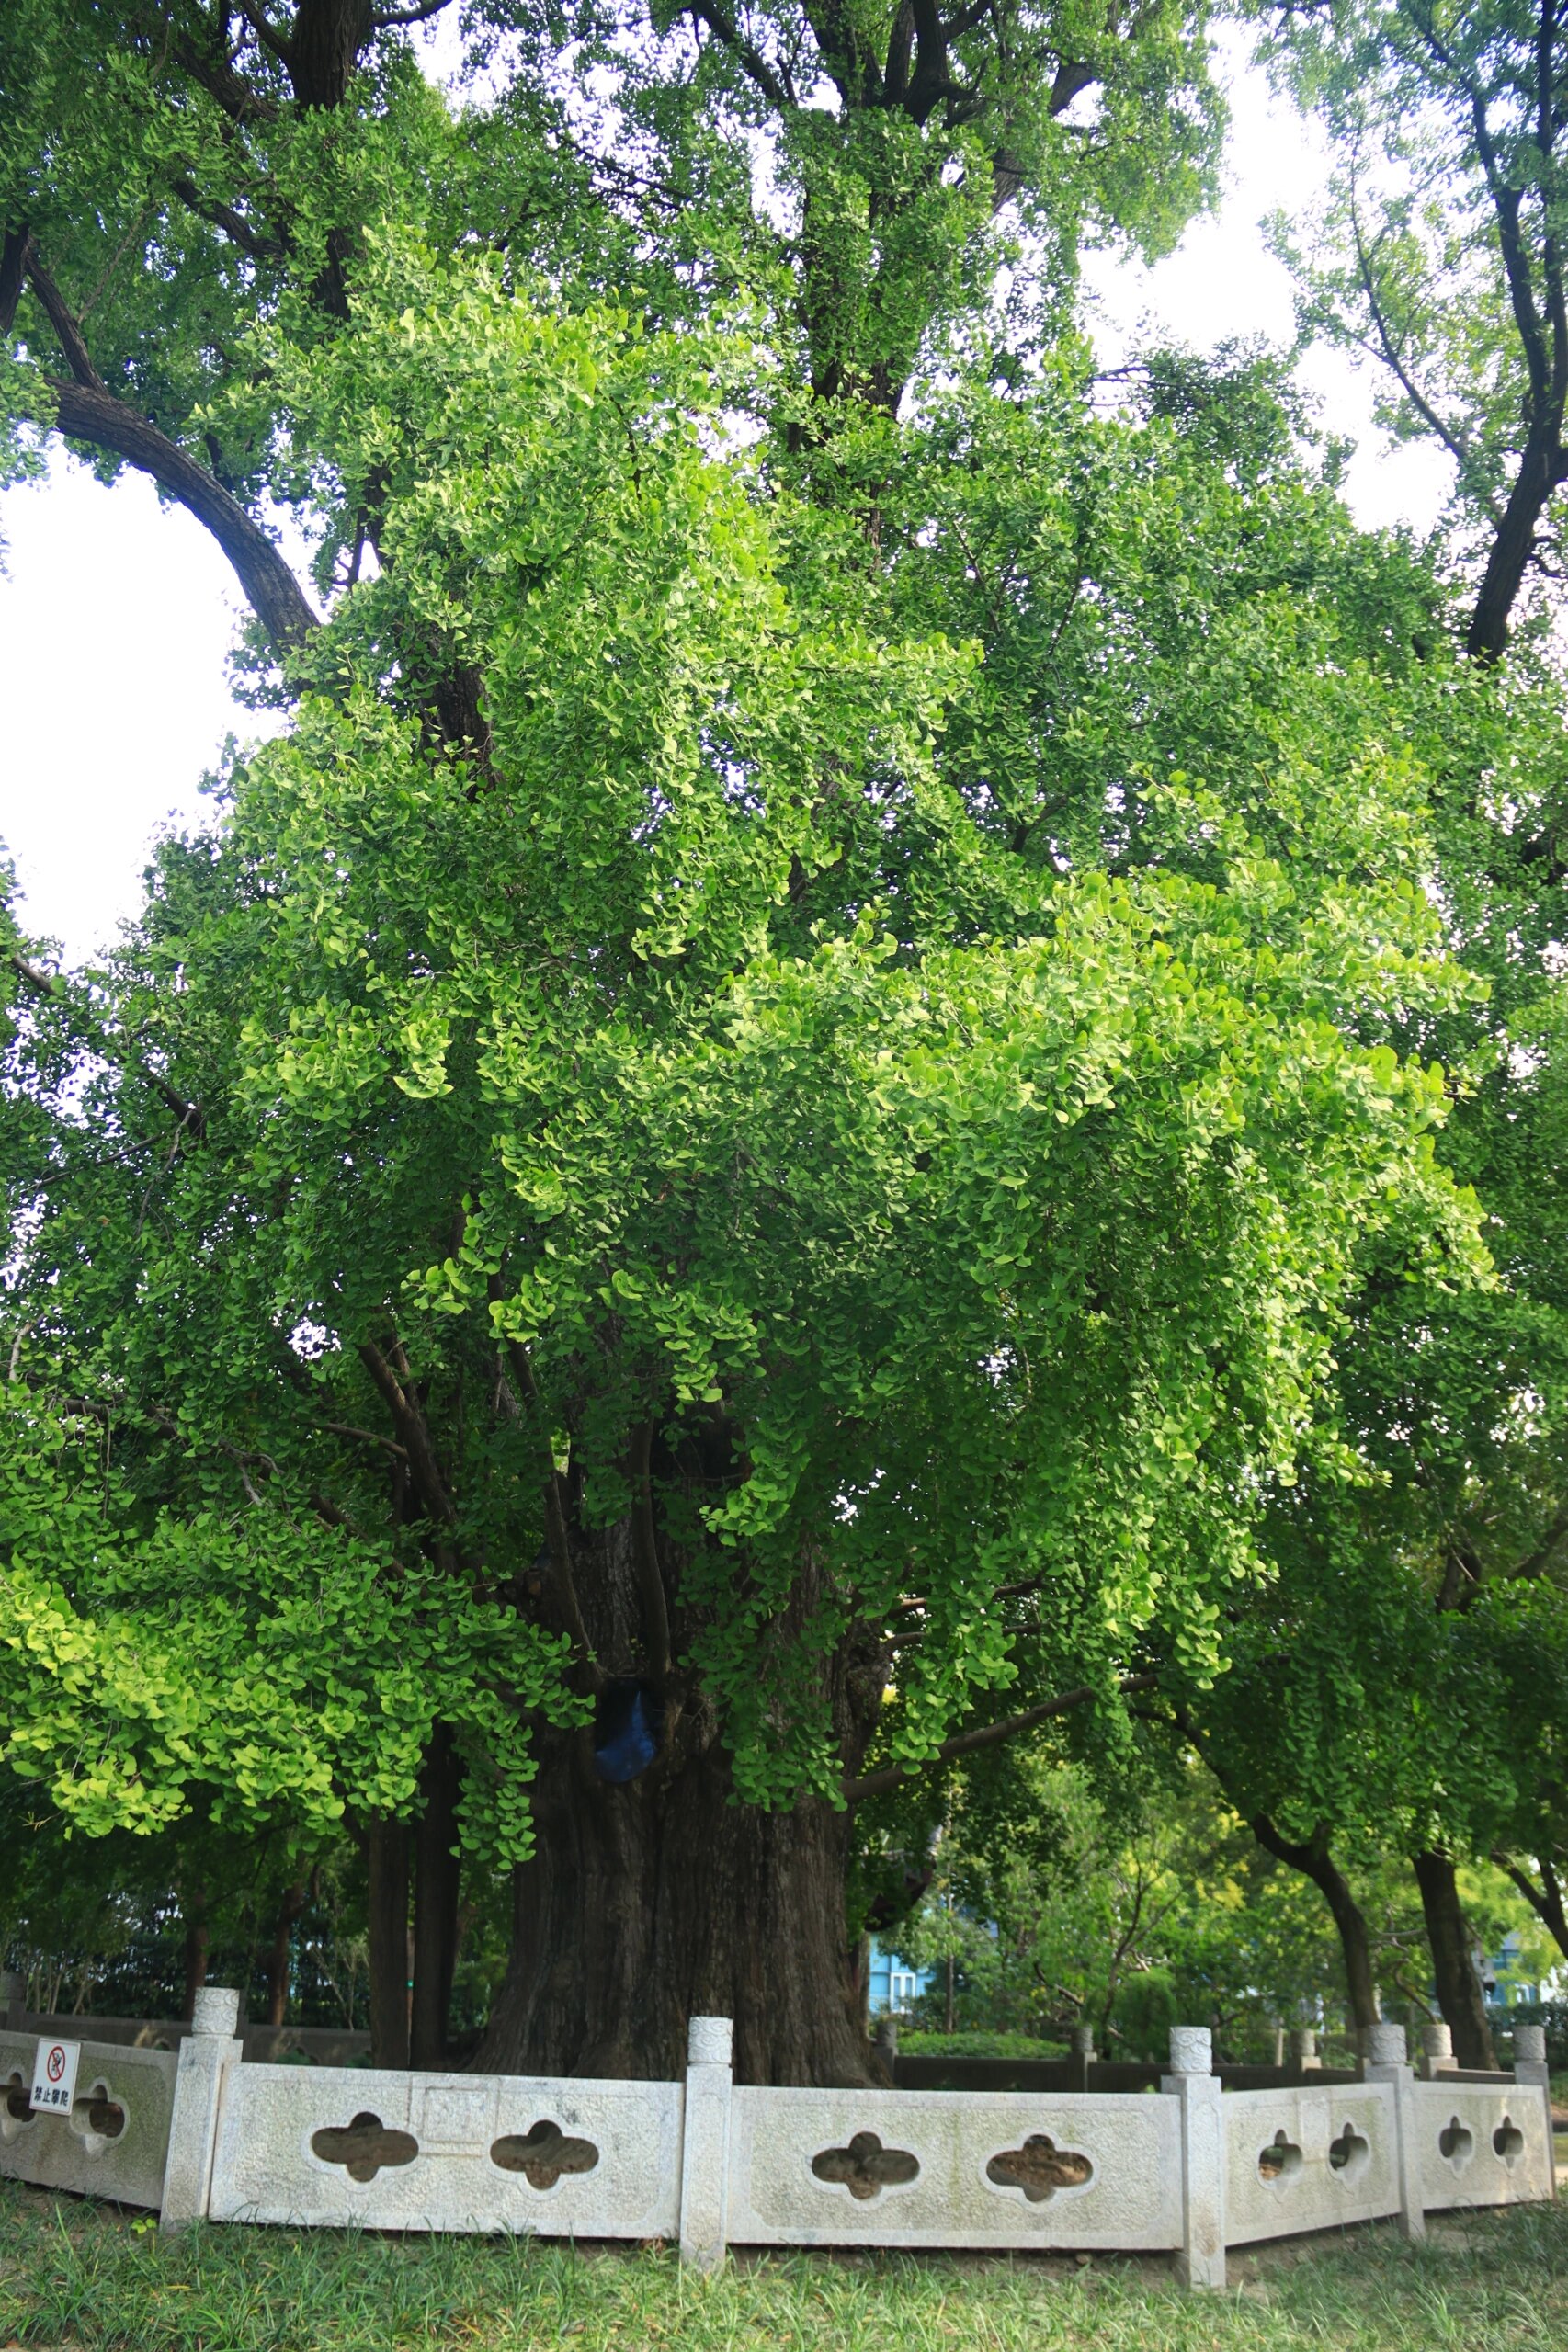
x,y
1460,1996
435,1903
652,1903
657,1898
1316,1861
387,1859
289,1912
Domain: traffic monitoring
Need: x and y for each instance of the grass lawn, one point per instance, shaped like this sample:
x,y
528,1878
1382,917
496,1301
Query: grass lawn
x,y
84,2278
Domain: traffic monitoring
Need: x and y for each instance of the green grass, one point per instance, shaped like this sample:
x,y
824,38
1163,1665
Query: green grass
x,y
917,2041
88,2278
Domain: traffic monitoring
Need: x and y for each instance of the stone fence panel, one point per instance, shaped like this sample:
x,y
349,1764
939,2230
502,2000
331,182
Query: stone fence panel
x,y
1309,2159
343,2147
954,2168
115,2141
1481,2146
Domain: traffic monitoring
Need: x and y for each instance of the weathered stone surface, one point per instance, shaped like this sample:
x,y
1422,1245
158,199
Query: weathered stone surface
x,y
1308,2159
207,2056
132,2089
329,2146
1200,2133
216,2010
1437,2047
1192,2050
832,2168
705,2152
1479,2146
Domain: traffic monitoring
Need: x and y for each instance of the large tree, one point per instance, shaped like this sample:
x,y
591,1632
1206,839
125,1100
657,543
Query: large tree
x,y
737,1165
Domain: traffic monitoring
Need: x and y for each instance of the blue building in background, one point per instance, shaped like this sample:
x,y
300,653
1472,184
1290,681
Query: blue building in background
x,y
1504,1977
893,1985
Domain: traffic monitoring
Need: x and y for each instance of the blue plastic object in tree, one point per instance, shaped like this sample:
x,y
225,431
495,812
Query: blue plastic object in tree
x,y
627,1725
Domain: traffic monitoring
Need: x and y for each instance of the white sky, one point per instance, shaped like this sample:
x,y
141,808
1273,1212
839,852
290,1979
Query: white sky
x,y
117,615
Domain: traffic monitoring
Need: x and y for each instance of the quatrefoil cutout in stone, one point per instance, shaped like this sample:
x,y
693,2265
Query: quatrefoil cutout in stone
x,y
1279,2161
1508,2140
865,2168
543,2154
16,2106
96,2118
1039,2168
1349,2155
1456,2143
363,2146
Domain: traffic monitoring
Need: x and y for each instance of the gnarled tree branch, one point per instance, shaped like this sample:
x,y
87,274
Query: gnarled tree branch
x,y
892,1776
85,414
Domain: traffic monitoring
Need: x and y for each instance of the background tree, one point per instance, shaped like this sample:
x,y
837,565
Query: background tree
x,y
1443,258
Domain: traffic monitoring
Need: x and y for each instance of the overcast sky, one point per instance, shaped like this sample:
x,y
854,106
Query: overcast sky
x,y
117,615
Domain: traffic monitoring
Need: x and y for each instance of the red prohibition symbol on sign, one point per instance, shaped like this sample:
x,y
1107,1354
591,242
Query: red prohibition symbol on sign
x,y
55,2064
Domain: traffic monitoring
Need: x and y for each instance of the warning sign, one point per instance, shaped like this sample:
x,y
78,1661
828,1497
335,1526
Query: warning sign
x,y
54,2078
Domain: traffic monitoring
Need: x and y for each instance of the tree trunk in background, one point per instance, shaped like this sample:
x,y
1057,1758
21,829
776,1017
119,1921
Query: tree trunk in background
x,y
1545,1899
387,1862
1459,1995
436,1871
1314,1860
198,1934
1513,540
289,1912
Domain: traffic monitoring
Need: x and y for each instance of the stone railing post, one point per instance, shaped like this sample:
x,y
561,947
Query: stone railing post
x,y
1081,2059
14,2000
1386,2061
705,2147
205,2054
1201,2262
1304,2055
1436,2050
1530,2067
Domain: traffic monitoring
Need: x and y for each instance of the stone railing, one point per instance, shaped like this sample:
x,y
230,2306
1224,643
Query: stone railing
x,y
113,2141
1187,2170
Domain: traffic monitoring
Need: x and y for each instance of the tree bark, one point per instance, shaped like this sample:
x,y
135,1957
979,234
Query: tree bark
x,y
1545,1899
661,1899
86,413
387,1858
1460,1996
436,1871
198,1935
1317,1863
322,49
289,1912
1513,543
648,1904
